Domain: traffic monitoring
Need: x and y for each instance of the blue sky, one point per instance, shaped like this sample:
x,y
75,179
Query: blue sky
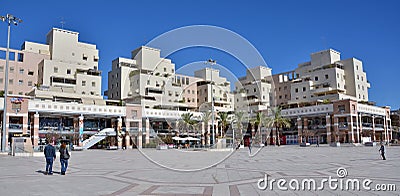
x,y
284,32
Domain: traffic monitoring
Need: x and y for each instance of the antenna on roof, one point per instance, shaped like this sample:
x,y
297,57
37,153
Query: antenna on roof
x,y
62,22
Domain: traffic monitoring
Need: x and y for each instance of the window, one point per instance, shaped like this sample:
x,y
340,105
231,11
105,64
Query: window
x,y
85,57
326,76
21,71
279,89
358,77
316,78
1,80
116,85
362,87
304,89
172,70
30,73
165,69
362,78
280,96
255,90
341,108
192,91
11,69
10,81
83,92
285,88
55,70
296,90
20,57
358,86
357,67
20,82
83,83
193,100
338,85
338,75
187,81
29,83
1,68
304,97
20,93
93,84
92,93
68,71
148,82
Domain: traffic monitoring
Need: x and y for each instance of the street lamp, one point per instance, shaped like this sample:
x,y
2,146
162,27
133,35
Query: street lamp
x,y
212,62
10,19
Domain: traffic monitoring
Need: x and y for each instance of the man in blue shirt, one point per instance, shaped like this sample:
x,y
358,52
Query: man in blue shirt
x,y
50,154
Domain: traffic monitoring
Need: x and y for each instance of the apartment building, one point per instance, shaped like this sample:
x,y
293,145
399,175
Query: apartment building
x,y
71,72
325,77
22,73
60,93
223,98
327,100
253,91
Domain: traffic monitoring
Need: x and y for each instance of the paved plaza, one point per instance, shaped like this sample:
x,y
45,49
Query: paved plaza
x,y
179,172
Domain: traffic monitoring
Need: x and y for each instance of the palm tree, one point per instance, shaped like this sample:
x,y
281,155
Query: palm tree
x,y
239,117
277,121
187,119
205,118
258,122
224,122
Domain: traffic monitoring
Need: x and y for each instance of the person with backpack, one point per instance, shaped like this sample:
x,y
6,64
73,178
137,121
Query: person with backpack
x,y
64,156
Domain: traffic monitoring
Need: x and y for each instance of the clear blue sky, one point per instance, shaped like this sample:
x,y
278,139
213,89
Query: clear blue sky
x,y
285,32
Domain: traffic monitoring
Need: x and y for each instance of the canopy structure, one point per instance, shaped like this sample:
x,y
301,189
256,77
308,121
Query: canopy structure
x,y
192,139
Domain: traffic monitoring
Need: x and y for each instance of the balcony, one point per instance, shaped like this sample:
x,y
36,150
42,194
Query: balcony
x,y
343,124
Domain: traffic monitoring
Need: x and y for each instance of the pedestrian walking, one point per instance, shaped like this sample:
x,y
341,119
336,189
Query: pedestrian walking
x,y
382,150
64,156
251,141
317,141
50,154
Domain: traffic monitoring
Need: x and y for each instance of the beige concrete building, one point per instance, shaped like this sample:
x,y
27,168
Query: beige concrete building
x,y
325,77
223,98
71,73
253,91
22,73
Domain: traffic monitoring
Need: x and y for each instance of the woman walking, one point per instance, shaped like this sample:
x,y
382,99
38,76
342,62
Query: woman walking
x,y
64,156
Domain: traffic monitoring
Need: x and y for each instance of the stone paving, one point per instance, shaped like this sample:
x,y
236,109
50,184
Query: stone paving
x,y
180,172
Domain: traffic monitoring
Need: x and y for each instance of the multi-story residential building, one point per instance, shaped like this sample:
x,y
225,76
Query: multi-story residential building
x,y
325,77
395,117
253,91
22,73
326,101
71,73
223,98
65,94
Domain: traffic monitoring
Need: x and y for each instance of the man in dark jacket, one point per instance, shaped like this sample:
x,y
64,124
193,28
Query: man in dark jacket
x,y
50,154
382,150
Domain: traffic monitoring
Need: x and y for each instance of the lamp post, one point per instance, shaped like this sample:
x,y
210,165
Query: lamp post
x,y
212,62
10,19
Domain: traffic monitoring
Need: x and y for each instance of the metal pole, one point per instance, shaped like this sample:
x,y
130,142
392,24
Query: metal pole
x,y
212,62
3,135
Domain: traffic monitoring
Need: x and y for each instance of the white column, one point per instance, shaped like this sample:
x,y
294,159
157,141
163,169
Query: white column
x,y
361,131
119,134
358,129
373,128
147,131
385,129
352,130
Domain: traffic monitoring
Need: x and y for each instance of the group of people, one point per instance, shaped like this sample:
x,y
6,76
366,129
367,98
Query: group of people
x,y
50,154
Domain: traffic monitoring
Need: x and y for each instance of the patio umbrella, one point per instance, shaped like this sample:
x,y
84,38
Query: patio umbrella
x,y
192,139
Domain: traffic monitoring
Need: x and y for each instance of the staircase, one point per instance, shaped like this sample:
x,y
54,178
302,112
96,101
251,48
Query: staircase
x,y
94,139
